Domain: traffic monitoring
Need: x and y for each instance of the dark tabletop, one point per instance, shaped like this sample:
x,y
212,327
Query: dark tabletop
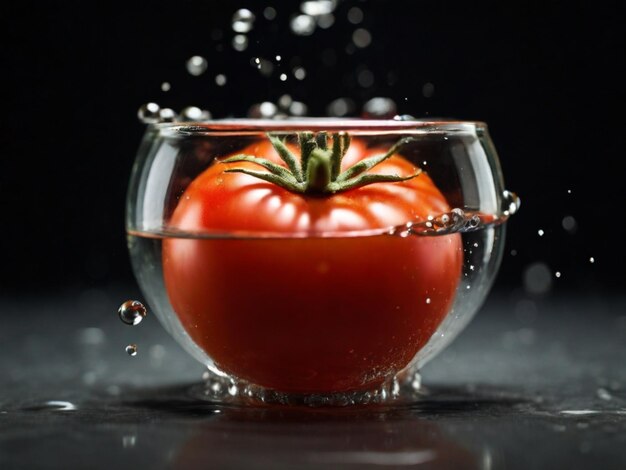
x,y
530,384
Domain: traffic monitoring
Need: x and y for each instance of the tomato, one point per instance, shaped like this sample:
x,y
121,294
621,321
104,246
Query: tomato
x,y
309,293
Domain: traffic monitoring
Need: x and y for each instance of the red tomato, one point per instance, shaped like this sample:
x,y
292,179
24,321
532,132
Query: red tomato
x,y
314,309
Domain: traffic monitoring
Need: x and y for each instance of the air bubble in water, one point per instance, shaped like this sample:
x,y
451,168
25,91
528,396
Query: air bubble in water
x,y
243,21
149,113
381,108
240,42
302,25
131,350
361,38
197,65
132,312
193,113
340,107
537,278
220,79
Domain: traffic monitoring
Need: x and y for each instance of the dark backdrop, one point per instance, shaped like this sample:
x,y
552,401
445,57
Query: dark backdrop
x,y
546,76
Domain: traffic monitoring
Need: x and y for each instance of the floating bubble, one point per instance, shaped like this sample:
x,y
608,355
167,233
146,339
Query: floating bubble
x,y
325,21
263,110
302,25
149,113
537,278
318,7
131,350
165,86
379,107
132,312
428,90
167,115
269,13
365,78
240,42
193,113
569,224
340,107
243,21
197,65
361,38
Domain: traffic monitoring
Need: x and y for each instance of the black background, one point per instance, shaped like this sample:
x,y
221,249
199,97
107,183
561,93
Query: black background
x,y
546,76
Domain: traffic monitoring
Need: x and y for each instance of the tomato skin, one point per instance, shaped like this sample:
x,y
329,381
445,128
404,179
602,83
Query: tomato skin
x,y
310,311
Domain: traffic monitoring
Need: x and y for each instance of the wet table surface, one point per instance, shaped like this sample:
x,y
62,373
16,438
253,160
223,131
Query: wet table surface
x,y
529,384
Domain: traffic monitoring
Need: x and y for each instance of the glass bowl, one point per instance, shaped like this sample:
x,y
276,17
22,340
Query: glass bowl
x,y
316,261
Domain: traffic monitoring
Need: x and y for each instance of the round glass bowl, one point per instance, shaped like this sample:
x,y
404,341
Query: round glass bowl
x,y
316,261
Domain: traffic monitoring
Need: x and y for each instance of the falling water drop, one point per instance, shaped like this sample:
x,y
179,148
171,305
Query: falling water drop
x,y
269,13
381,108
132,312
131,350
361,38
240,42
197,65
243,21
167,115
166,86
149,113
355,15
299,73
220,80
340,107
302,25
193,113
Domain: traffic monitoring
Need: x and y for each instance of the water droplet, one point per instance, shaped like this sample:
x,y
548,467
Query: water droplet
x,y
302,25
197,65
283,77
318,7
569,191
592,260
59,405
298,108
537,278
604,394
167,115
149,113
91,336
131,350
299,73
220,79
428,90
381,108
540,232
365,78
428,300
513,252
269,13
325,21
264,66
569,224
340,107
557,274
165,86
361,38
510,202
355,15
240,42
193,113
129,441
404,117
132,312
263,110
243,21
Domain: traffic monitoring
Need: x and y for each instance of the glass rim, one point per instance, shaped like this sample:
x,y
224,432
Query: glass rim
x,y
248,125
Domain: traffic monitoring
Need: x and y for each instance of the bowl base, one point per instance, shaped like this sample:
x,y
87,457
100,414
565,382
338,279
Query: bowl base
x,y
219,388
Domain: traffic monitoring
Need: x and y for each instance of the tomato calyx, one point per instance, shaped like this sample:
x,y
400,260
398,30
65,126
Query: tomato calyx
x,y
318,170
